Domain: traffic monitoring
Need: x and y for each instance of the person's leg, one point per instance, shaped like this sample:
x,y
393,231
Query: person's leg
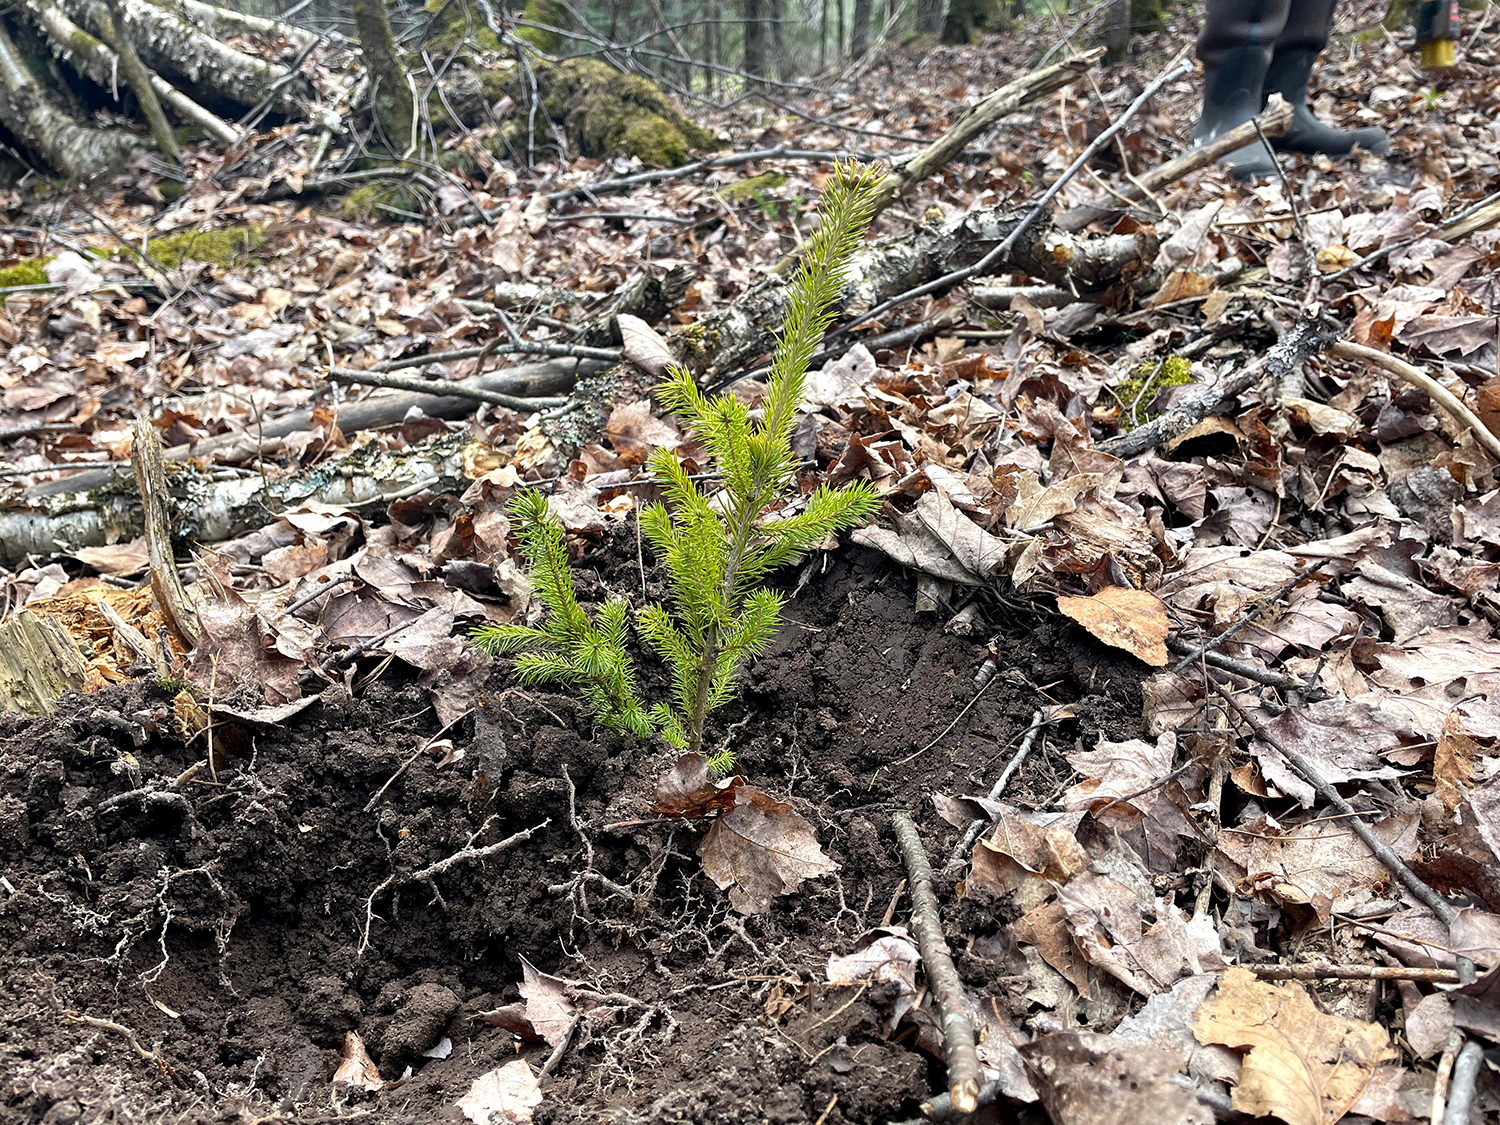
x,y
1297,48
1236,46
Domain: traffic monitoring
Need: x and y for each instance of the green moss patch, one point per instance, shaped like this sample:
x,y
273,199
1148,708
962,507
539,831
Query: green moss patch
x,y
28,271
752,187
605,112
1151,378
221,248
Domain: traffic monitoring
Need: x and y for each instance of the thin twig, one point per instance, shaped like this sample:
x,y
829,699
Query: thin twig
x,y
1309,772
1463,1083
965,844
1354,972
964,1074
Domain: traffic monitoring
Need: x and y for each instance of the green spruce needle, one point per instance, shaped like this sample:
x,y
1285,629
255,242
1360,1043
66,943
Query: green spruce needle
x,y
719,548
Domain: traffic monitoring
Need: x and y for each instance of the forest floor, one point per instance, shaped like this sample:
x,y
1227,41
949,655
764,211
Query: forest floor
x,y
333,865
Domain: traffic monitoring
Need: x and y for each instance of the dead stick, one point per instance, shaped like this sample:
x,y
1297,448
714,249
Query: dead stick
x,y
1420,379
1310,335
979,116
166,584
431,387
1354,972
1246,670
947,989
1309,773
1274,121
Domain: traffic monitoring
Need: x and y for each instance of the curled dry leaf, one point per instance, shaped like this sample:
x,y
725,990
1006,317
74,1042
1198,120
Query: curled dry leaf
x,y
761,848
644,346
1130,619
1303,1065
689,789
506,1095
356,1068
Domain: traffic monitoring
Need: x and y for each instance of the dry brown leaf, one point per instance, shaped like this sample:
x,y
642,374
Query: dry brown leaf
x,y
635,432
548,1009
506,1095
1130,619
1086,1078
356,1068
890,957
1453,762
690,790
1303,1065
761,848
644,347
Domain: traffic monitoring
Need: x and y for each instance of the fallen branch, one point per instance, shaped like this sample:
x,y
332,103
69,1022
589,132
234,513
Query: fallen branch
x,y
1408,878
1006,251
1354,972
528,381
1475,217
1462,1085
420,386
1310,335
1425,382
1273,121
1246,670
980,116
427,874
166,585
947,989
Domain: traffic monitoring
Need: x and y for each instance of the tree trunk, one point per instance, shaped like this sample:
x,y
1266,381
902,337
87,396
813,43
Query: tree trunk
x,y
841,32
755,40
1117,31
859,34
778,47
395,109
33,115
929,17
823,36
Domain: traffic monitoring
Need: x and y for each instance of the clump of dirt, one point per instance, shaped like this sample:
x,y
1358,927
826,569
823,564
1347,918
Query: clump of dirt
x,y
195,940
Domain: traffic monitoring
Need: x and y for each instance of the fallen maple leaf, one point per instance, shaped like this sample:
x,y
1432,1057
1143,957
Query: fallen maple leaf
x,y
1130,619
1303,1066
761,848
548,1009
690,790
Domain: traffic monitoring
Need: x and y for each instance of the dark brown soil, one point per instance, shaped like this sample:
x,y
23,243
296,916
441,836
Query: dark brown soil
x,y
220,920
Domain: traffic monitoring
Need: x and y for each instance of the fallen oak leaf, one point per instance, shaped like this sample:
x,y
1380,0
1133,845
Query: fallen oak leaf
x,y
1123,618
761,848
1302,1065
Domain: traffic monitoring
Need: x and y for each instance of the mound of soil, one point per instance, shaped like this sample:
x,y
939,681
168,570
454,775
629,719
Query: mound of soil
x,y
192,944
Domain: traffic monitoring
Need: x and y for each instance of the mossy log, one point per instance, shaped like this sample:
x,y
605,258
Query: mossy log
x,y
41,112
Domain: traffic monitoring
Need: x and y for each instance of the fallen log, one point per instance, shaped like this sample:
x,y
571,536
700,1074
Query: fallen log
x,y
532,380
207,510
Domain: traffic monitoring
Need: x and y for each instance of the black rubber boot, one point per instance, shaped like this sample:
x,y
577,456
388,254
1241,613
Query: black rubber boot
x,y
1288,76
1236,47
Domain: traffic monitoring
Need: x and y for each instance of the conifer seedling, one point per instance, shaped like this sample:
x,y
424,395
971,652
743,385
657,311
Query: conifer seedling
x,y
718,546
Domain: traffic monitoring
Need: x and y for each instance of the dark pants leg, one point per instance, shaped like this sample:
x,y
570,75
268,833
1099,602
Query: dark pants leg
x,y
1308,25
1236,46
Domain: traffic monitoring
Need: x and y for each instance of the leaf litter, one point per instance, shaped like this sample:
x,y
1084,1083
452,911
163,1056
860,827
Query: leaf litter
x,y
1326,559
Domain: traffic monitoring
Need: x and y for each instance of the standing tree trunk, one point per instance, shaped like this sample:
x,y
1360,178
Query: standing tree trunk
x,y
755,41
823,36
839,12
929,17
395,108
1117,31
859,34
778,47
